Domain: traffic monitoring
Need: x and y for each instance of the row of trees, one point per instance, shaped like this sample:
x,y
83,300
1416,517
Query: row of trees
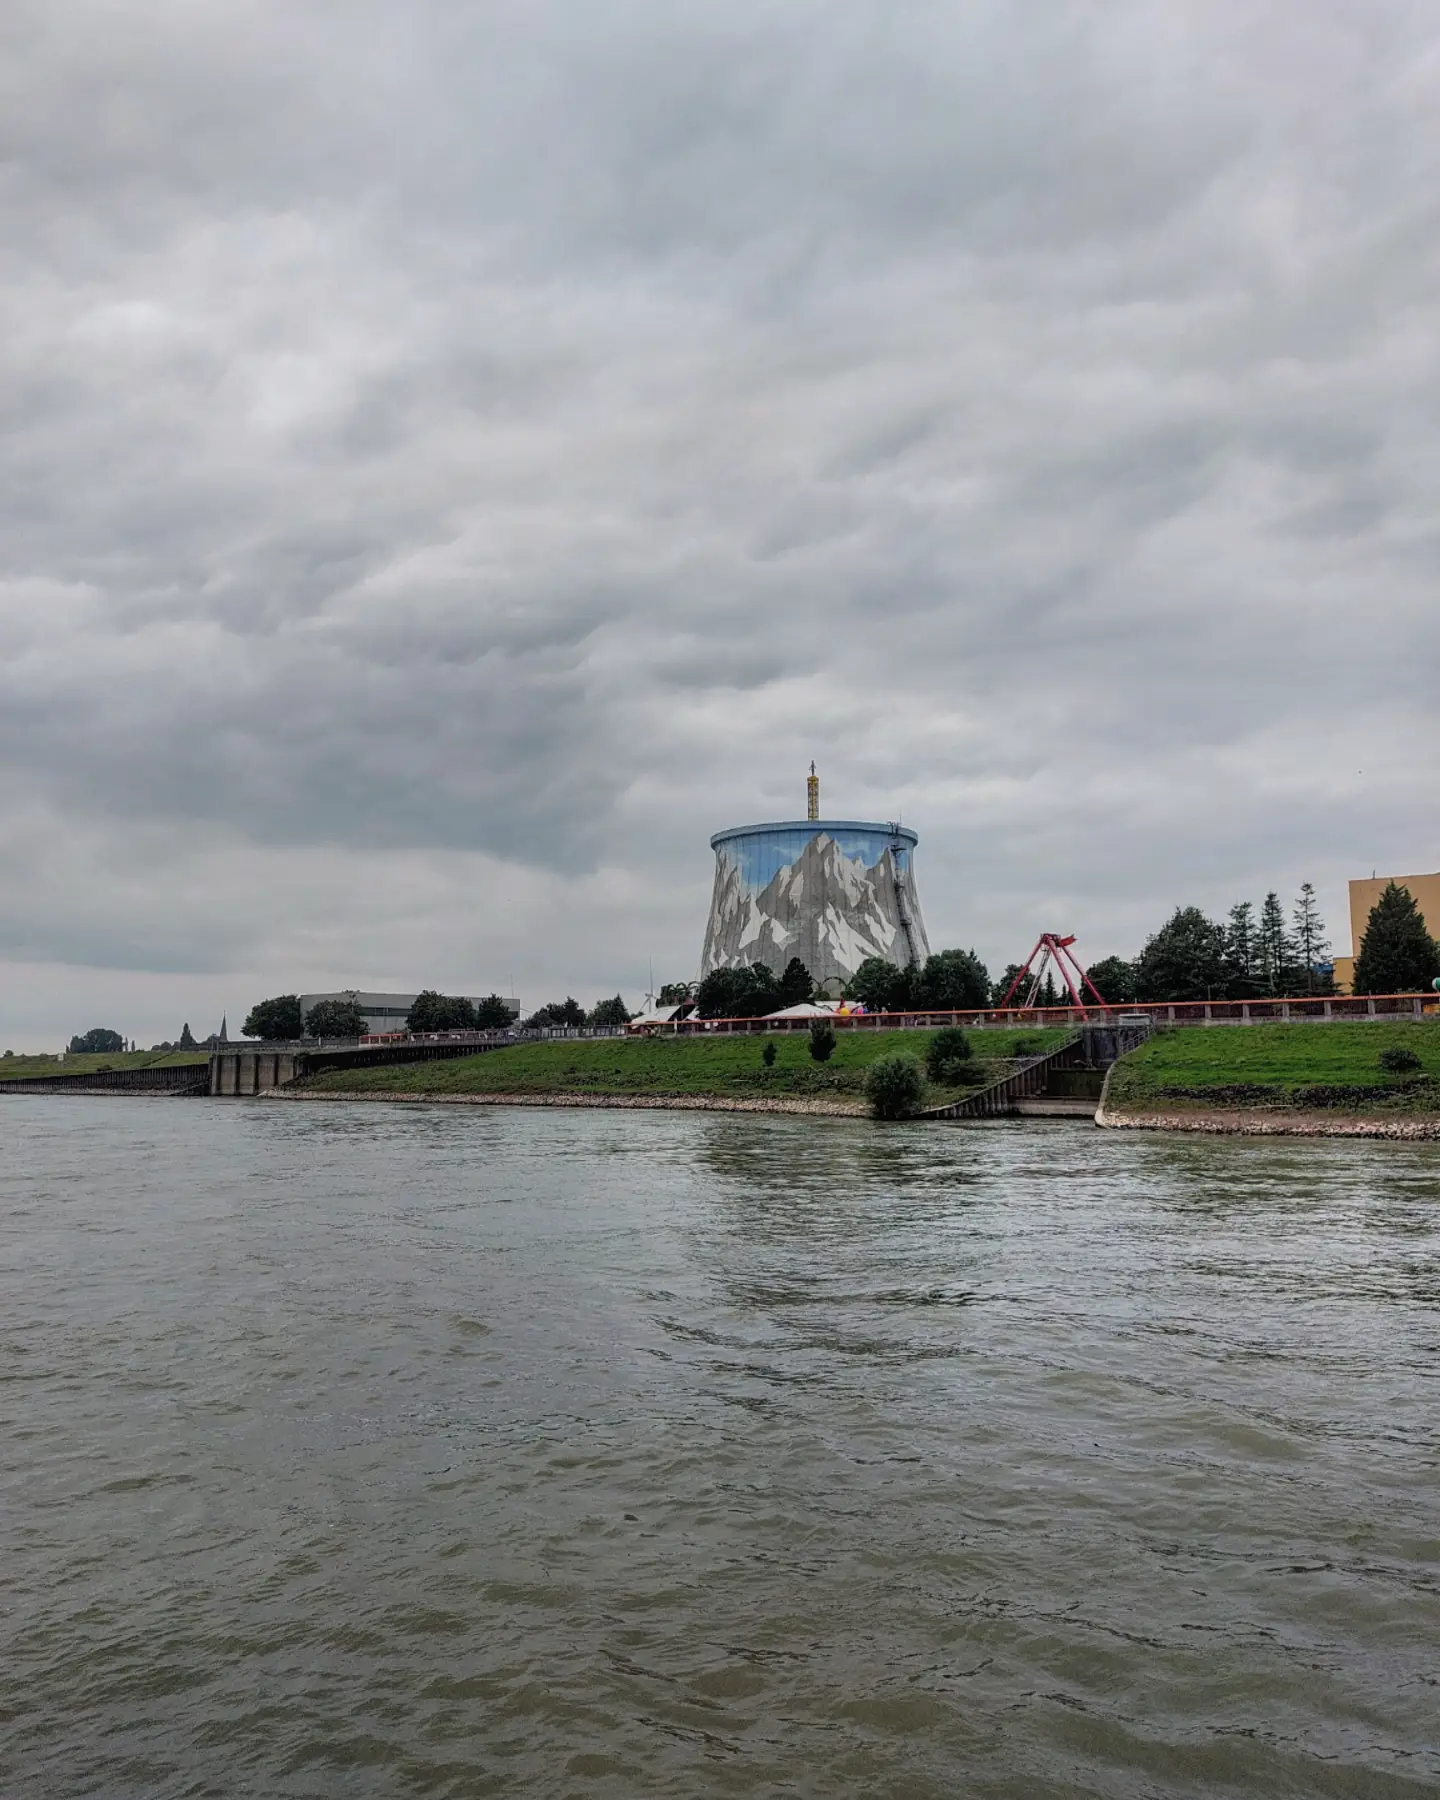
x,y
280,1019
568,1014
1267,955
1250,956
1255,953
949,979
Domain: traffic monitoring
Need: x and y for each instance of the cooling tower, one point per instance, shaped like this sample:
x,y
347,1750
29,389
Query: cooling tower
x,y
830,891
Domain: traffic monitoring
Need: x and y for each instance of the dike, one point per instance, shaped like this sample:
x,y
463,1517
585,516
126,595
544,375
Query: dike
x,y
835,1109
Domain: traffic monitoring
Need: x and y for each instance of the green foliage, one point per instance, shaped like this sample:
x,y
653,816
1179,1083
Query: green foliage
x,y
609,1013
767,1055
739,993
97,1042
1002,983
22,1066
1278,1065
699,1063
796,987
1279,969
1184,960
880,987
946,1052
1311,944
952,981
276,1020
432,1011
567,1014
1114,978
675,993
1242,953
1399,1059
187,1038
894,1086
492,1014
1030,1043
822,1040
336,1018
1397,954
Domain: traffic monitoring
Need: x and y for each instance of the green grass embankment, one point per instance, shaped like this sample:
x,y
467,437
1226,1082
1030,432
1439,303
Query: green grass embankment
x,y
1318,1069
28,1068
680,1067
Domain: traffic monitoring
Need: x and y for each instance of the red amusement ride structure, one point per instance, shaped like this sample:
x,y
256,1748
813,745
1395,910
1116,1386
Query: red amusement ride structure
x,y
1051,948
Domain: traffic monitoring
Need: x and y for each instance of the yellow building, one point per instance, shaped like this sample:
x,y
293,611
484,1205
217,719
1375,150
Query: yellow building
x,y
1424,889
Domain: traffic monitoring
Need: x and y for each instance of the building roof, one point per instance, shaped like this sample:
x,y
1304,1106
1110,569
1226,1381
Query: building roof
x,y
880,827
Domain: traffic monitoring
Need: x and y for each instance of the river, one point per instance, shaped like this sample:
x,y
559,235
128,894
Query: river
x,y
367,1451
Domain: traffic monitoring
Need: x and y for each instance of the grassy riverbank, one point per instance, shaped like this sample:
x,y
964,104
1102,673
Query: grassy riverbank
x,y
684,1067
28,1068
1321,1071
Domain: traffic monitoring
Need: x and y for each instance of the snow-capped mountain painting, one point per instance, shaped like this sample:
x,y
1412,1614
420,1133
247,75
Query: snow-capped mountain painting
x,y
831,896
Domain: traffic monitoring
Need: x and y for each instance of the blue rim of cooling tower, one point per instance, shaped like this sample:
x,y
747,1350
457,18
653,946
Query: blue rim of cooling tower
x,y
815,825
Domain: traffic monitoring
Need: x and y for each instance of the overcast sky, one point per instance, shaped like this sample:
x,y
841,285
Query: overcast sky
x,y
458,455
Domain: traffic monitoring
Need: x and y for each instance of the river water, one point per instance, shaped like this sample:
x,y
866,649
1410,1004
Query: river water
x,y
361,1450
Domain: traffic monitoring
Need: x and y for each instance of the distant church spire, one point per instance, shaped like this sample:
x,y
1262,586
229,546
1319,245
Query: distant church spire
x,y
224,1036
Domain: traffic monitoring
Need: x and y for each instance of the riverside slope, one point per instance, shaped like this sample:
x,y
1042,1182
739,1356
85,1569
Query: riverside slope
x,y
719,1073
1280,1081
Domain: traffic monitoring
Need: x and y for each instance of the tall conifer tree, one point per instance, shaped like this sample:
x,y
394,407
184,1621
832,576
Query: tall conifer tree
x,y
1397,954
1311,942
1241,952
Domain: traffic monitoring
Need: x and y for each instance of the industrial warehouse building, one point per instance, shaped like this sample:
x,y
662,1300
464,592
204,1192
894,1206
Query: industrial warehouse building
x,y
1424,890
383,1012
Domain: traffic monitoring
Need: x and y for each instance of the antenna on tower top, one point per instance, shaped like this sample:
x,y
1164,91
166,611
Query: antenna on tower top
x,y
812,792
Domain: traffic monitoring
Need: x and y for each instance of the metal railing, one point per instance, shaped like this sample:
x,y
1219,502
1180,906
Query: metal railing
x,y
1300,1007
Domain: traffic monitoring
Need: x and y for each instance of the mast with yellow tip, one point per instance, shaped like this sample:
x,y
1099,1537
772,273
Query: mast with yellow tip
x,y
812,792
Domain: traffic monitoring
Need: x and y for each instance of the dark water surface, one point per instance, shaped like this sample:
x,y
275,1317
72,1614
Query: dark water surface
x,y
368,1451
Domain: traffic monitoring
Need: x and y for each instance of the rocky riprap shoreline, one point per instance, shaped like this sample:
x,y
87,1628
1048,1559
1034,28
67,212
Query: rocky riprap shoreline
x,y
1235,1122
616,1102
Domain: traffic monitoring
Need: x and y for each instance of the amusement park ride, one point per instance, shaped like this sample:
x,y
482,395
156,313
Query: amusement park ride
x,y
1050,948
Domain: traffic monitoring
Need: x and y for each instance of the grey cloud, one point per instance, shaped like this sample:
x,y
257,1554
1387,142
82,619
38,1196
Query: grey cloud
x,y
527,434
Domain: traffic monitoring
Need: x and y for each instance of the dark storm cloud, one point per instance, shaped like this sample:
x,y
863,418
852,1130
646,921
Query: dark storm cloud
x,y
532,432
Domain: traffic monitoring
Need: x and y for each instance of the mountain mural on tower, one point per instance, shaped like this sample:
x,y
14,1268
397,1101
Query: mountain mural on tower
x,y
829,908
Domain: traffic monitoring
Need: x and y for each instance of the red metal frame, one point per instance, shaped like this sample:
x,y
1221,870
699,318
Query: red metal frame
x,y
1051,947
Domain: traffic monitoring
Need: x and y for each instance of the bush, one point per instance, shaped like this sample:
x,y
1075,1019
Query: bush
x,y
433,1011
966,1074
492,1014
894,1086
822,1040
609,1013
1396,1060
1026,1046
767,1055
945,1051
331,1019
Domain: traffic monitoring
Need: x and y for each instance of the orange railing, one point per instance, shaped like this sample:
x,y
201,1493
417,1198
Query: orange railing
x,y
1161,1012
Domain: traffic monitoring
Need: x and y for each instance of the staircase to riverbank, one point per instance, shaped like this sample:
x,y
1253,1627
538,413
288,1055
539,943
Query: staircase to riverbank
x,y
1063,1084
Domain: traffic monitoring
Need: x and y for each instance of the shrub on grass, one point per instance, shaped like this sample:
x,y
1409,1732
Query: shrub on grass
x,y
822,1040
946,1053
966,1074
894,1086
767,1055
1395,1059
